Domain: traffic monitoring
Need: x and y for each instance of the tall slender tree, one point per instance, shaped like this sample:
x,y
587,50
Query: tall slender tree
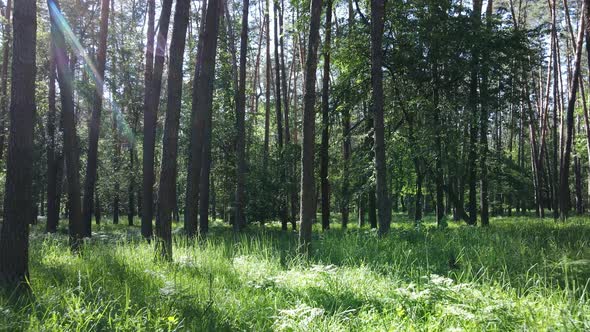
x,y
240,122
202,103
65,80
167,188
18,201
52,160
483,133
324,157
150,118
191,210
307,205
377,27
94,130
566,157
473,120
267,84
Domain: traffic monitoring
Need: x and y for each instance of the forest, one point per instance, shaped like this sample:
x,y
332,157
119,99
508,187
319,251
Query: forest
x,y
294,165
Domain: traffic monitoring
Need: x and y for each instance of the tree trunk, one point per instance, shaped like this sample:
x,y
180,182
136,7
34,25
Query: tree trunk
x,y
52,160
94,125
64,78
200,127
267,86
307,205
131,190
483,133
240,220
324,157
18,202
565,161
473,123
97,209
578,174
361,212
377,26
556,96
167,188
194,161
283,212
147,190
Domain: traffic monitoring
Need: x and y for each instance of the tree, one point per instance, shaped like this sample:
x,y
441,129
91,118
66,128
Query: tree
x,y
150,115
377,26
94,131
483,134
566,156
307,205
473,121
167,189
202,103
283,207
267,85
52,160
65,78
324,157
240,122
146,224
18,203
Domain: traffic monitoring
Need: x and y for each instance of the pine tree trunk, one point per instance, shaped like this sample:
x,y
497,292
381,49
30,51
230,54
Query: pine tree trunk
x,y
64,77
307,205
267,86
473,121
52,160
199,161
191,202
377,26
14,236
131,189
94,125
240,220
167,188
483,134
324,157
153,83
565,162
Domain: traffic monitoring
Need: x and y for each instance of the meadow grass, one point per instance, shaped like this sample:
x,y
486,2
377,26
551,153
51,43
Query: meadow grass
x,y
520,273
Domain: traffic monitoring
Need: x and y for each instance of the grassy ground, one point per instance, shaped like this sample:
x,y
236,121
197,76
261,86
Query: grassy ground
x,y
518,274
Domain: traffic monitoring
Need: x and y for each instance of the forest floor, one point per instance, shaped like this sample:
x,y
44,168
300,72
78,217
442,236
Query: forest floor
x,y
518,274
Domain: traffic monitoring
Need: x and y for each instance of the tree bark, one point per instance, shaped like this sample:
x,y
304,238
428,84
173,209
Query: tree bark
x,y
324,157
565,161
52,160
240,220
65,77
18,200
191,202
473,121
167,188
483,133
199,163
146,207
94,125
377,26
307,205
267,86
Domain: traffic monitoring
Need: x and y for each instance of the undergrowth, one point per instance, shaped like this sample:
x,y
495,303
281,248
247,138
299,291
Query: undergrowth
x,y
517,274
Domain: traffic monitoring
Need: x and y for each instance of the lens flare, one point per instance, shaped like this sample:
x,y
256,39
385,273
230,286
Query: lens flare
x,y
62,24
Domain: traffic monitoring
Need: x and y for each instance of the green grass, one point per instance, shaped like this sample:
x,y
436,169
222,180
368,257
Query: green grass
x,y
518,274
